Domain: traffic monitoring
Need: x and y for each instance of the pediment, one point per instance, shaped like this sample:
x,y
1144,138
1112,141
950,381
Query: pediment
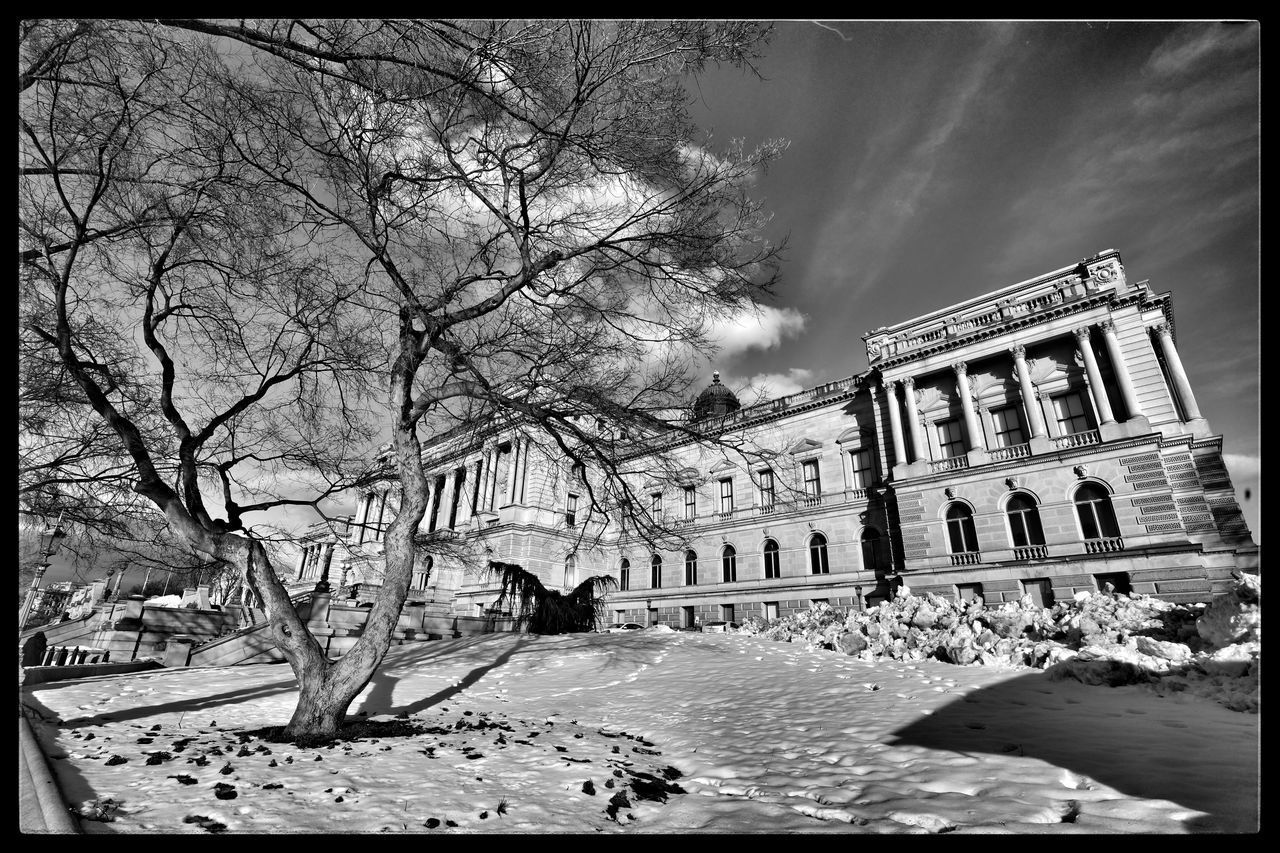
x,y
804,445
723,465
854,433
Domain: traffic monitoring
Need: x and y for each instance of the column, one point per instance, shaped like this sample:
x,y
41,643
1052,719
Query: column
x,y
429,516
1035,417
1095,377
524,467
976,439
1127,393
1180,382
446,498
491,495
913,421
513,470
325,556
302,564
895,425
490,461
475,490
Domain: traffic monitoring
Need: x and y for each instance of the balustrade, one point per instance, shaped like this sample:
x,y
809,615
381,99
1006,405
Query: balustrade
x,y
1013,451
1031,552
953,464
1102,546
966,558
1077,439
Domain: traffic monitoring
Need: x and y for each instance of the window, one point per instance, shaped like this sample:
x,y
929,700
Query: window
x,y
1008,427
422,576
434,505
766,488
1093,508
624,575
1069,410
966,592
818,555
690,503
812,480
726,612
690,568
570,572
655,505
729,563
1119,581
655,572
875,552
687,618
950,439
772,569
864,473
571,510
726,496
1040,590
771,610
1024,521
962,536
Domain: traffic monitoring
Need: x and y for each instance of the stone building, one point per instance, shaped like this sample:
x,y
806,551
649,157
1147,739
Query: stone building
x,y
1039,440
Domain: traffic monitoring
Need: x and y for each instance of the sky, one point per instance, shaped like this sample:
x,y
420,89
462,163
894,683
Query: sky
x,y
930,163
763,736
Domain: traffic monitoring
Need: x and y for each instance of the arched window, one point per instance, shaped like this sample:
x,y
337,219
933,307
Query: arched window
x,y
690,568
422,576
1093,508
961,535
818,555
772,567
624,575
570,572
1024,521
655,572
729,563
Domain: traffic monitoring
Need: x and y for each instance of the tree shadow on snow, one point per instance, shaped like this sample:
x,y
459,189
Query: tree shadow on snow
x,y
1156,753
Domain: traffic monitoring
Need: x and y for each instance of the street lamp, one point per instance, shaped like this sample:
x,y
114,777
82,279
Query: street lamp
x,y
49,538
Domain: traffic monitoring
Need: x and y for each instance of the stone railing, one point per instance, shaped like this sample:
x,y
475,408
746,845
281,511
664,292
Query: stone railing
x,y
1013,451
1031,552
814,500
1077,439
1103,546
955,463
766,509
966,558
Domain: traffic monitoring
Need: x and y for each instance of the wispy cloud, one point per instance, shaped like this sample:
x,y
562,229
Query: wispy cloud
x,y
764,329
770,386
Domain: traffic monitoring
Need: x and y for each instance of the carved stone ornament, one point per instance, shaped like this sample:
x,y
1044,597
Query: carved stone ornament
x,y
873,350
1081,471
1107,327
1105,273
1018,351
1012,483
1082,334
949,492
961,368
1162,329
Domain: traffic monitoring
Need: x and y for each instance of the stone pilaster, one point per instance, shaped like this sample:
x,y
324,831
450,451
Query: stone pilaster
x,y
1039,442
1127,392
1181,385
977,442
1100,401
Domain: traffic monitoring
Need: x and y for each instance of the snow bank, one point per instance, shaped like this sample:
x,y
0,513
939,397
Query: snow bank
x,y
1096,638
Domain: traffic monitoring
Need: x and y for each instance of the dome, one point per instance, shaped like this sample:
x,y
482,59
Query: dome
x,y
716,399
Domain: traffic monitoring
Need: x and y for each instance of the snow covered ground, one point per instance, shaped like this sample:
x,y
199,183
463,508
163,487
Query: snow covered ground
x,y
654,731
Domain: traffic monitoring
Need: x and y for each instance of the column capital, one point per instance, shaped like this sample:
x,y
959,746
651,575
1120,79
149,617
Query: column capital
x,y
1018,351
909,383
961,368
1083,334
1108,327
1163,330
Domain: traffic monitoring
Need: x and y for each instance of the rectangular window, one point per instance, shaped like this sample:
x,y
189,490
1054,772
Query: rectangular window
x,y
771,610
726,497
655,505
687,618
571,510
419,580
1008,426
459,479
863,468
624,579
812,479
1070,413
968,591
950,439
726,612
772,569
766,488
690,503
1040,590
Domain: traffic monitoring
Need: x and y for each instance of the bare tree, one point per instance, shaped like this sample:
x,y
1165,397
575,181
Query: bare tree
x,y
545,232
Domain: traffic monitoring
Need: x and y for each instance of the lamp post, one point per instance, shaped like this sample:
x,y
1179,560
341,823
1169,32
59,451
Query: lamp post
x,y
50,539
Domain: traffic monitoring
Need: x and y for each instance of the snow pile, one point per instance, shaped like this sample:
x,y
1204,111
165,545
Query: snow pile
x,y
164,601
1096,638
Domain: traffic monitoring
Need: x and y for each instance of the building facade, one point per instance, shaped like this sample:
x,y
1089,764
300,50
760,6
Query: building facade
x,y
1039,440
